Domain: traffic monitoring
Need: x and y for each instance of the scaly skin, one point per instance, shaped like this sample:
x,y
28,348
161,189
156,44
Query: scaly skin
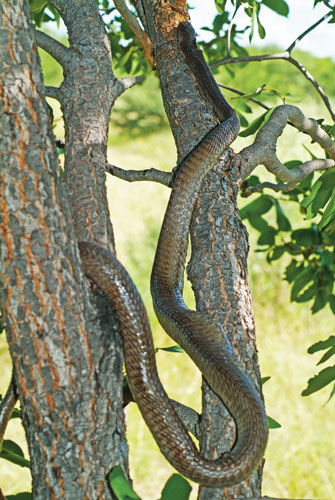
x,y
200,336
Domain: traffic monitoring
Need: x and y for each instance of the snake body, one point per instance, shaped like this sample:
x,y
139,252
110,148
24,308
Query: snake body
x,y
200,336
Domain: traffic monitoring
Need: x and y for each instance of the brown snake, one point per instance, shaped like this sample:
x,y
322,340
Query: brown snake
x,y
200,336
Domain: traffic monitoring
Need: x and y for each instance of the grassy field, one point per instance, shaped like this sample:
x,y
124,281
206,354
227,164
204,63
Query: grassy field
x,y
300,457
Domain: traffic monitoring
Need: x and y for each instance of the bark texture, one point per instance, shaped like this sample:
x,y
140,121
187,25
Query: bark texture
x,y
63,340
218,266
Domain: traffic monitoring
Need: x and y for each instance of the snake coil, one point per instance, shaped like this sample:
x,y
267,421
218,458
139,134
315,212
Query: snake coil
x,y
200,336
197,333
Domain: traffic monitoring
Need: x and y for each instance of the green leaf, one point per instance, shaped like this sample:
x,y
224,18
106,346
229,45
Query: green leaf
x,y
121,486
173,348
320,193
36,5
253,127
261,30
259,206
278,6
25,495
308,294
330,395
258,122
220,5
176,488
321,299
306,237
273,424
329,213
327,355
320,380
301,281
251,12
258,223
12,452
276,253
267,236
292,271
282,221
219,21
265,379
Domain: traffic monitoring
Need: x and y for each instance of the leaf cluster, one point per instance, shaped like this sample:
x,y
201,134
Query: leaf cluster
x,y
175,487
327,375
309,250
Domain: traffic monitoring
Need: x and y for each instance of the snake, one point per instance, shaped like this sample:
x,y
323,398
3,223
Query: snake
x,y
196,332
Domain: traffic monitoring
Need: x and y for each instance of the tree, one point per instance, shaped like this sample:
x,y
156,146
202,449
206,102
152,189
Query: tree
x,y
62,334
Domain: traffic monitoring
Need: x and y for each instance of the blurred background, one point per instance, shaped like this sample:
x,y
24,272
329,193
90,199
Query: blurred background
x,y
300,457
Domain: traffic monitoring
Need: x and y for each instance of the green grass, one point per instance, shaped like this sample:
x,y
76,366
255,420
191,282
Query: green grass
x,y
300,457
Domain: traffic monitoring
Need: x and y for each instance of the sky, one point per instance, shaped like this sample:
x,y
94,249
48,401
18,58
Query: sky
x,y
279,30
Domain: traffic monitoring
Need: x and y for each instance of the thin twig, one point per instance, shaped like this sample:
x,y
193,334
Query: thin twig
x,y
135,27
300,37
259,103
150,174
235,91
286,56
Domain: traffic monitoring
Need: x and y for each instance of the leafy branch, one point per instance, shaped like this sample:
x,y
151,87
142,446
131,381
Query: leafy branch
x,y
286,55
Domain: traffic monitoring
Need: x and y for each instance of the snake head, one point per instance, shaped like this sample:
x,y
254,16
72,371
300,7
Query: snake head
x,y
186,36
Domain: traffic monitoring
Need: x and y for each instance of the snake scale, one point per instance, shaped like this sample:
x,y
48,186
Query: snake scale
x,y
201,337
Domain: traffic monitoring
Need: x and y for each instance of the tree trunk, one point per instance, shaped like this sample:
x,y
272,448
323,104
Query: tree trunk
x,y
218,266
62,336
64,342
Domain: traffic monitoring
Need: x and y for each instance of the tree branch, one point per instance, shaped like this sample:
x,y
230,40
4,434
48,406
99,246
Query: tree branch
x,y
263,150
235,91
53,92
311,28
286,56
135,27
57,50
125,83
150,174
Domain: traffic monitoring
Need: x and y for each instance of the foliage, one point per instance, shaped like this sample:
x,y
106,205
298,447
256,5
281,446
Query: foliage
x,y
327,375
140,111
12,452
175,487
308,250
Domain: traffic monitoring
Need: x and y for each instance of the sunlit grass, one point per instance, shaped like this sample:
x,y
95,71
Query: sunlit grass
x,y
300,457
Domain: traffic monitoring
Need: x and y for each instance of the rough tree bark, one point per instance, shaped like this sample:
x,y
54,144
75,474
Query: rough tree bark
x,y
63,338
218,266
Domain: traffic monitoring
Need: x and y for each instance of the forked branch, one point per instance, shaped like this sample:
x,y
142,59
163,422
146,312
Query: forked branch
x,y
286,55
263,150
134,25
